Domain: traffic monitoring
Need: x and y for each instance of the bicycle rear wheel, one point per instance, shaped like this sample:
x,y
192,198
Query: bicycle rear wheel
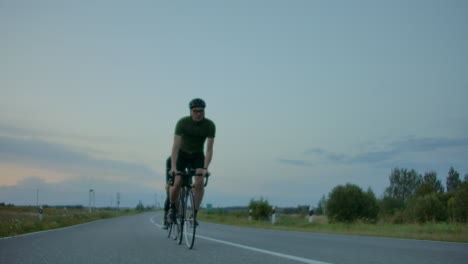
x,y
189,220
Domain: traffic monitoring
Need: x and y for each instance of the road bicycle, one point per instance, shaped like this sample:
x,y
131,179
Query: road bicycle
x,y
185,225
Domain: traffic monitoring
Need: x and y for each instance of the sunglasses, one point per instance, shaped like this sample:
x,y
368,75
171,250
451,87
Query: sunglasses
x,y
198,111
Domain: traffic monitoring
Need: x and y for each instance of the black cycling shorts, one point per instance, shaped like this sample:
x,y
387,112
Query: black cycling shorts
x,y
188,160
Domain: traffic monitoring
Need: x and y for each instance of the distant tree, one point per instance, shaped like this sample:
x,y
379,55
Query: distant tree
x,y
140,206
465,179
349,203
430,184
290,210
303,209
453,180
458,204
426,208
321,206
403,184
261,209
2,204
371,210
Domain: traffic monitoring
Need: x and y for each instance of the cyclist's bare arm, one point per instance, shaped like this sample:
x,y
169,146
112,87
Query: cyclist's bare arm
x,y
175,154
209,152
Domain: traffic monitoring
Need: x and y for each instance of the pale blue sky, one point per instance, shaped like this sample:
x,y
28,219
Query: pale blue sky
x,y
306,95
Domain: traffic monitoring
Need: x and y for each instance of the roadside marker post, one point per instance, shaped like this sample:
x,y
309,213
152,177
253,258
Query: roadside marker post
x,y
311,214
40,213
273,215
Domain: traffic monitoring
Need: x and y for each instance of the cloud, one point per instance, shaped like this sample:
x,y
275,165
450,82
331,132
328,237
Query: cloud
x,y
328,155
52,155
318,151
296,162
428,144
13,130
372,157
409,145
391,151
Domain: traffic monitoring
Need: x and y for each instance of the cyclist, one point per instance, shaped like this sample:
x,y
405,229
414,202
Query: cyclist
x,y
166,202
191,133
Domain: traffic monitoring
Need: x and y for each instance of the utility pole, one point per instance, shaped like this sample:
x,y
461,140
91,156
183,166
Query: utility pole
x,y
118,200
91,200
155,200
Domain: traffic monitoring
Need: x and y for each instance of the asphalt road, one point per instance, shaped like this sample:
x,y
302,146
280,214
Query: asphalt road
x,y
139,239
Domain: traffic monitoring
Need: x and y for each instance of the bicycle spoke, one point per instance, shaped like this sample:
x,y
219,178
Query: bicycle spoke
x,y
184,228
169,229
176,231
190,221
181,215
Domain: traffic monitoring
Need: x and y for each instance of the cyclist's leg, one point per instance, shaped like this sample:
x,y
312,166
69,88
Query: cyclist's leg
x,y
199,189
166,208
181,163
173,195
175,190
167,202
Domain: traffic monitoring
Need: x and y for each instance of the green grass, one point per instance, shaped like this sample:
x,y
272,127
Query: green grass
x,y
20,220
451,232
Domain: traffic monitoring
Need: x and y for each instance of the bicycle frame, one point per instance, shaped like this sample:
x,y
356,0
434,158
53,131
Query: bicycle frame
x,y
185,205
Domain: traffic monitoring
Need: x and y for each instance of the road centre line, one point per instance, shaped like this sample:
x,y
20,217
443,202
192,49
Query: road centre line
x,y
303,260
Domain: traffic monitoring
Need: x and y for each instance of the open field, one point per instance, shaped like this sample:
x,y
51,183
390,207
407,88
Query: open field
x,y
450,232
20,220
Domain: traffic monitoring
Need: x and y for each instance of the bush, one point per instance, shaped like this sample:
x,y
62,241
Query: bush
x,y
140,206
349,203
426,208
389,206
458,204
261,209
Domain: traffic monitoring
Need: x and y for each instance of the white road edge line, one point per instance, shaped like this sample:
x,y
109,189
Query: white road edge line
x,y
303,260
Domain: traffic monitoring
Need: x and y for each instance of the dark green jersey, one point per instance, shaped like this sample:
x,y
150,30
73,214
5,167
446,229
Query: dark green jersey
x,y
194,134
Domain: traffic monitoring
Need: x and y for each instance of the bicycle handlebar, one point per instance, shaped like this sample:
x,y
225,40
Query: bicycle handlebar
x,y
192,173
206,178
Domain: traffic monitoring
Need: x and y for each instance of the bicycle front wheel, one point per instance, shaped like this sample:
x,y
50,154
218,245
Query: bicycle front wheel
x,y
181,216
189,220
175,230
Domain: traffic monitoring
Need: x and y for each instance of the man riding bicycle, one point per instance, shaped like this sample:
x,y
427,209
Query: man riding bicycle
x,y
191,132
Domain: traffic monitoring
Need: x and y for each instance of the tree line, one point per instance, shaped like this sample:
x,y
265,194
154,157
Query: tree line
x,y
410,197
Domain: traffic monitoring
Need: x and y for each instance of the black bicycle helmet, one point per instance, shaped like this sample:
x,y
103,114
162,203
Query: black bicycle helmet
x,y
197,102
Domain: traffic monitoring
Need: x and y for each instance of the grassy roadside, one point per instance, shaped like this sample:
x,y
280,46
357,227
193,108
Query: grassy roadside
x,y
431,231
21,220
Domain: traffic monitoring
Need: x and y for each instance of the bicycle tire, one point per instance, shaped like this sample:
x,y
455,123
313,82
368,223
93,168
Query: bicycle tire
x,y
169,229
189,220
181,215
175,231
